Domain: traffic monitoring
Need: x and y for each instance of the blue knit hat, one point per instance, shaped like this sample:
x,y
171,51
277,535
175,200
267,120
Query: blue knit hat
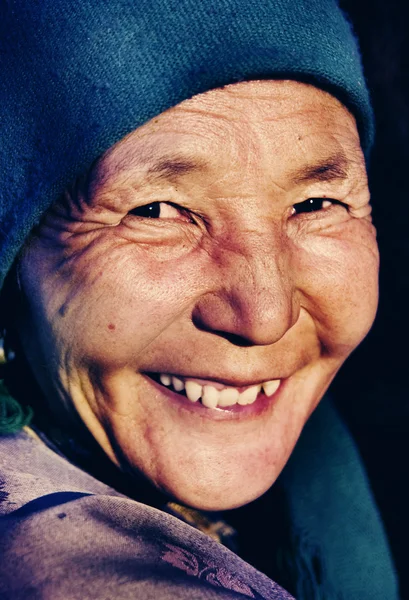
x,y
77,75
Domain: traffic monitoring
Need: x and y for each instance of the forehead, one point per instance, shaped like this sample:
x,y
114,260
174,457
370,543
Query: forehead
x,y
261,124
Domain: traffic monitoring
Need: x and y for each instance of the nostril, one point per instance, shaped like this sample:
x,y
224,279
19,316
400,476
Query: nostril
x,y
236,340
233,338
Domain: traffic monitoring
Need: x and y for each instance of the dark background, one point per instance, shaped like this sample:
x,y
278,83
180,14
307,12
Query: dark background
x,y
372,390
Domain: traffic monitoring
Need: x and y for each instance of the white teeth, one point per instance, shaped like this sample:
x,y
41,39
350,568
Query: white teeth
x,y
213,398
210,396
193,390
178,384
271,386
228,397
165,380
249,396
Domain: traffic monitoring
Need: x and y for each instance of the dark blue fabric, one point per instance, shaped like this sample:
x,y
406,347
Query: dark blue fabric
x,y
77,75
339,550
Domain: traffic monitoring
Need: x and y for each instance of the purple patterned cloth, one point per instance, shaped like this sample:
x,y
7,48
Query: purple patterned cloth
x,y
67,536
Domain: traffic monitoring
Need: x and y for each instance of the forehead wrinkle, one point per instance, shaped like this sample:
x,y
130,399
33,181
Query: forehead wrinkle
x,y
215,111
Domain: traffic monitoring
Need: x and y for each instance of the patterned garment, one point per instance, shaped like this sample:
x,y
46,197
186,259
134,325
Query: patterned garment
x,y
65,535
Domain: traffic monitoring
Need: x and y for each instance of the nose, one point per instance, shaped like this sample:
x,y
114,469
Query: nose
x,y
252,299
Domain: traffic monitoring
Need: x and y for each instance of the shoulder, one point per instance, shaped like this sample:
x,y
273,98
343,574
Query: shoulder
x,y
66,535
29,470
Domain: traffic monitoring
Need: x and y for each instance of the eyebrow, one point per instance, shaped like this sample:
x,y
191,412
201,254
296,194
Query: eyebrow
x,y
331,169
174,167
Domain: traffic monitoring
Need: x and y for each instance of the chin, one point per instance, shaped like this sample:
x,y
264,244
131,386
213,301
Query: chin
x,y
209,458
219,497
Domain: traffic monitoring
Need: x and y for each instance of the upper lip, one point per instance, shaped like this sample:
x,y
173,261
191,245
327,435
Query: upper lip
x,y
228,382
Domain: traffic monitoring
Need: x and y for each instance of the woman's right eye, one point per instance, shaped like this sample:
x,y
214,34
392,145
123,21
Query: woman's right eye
x,y
162,210
148,211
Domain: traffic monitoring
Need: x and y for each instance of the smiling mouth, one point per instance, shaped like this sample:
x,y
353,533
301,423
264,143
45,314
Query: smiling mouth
x,y
213,394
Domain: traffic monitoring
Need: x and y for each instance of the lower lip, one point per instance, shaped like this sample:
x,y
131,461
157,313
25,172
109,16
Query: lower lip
x,y
259,406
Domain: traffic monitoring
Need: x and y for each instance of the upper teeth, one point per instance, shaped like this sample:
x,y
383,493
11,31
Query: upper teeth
x,y
213,398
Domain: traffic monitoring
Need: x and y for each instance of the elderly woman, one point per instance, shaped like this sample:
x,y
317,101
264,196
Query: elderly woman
x,y
190,258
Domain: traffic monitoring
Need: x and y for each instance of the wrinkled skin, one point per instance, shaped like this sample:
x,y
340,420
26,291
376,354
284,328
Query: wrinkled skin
x,y
234,282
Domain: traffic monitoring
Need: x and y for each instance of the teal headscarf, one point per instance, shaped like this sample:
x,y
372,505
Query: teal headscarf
x,y
77,75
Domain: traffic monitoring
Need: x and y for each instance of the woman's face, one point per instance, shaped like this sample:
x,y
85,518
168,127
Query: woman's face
x,y
224,245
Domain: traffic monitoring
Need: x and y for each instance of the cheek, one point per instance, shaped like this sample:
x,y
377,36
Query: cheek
x,y
117,304
339,289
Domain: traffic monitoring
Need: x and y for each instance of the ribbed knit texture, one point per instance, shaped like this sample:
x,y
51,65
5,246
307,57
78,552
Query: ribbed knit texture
x,y
77,75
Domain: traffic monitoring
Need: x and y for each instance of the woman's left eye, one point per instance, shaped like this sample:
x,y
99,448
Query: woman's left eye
x,y
313,205
160,210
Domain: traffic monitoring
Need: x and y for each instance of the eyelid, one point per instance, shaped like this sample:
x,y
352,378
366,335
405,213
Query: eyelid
x,y
182,210
361,212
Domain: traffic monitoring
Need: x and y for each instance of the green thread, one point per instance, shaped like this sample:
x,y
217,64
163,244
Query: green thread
x,y
13,416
